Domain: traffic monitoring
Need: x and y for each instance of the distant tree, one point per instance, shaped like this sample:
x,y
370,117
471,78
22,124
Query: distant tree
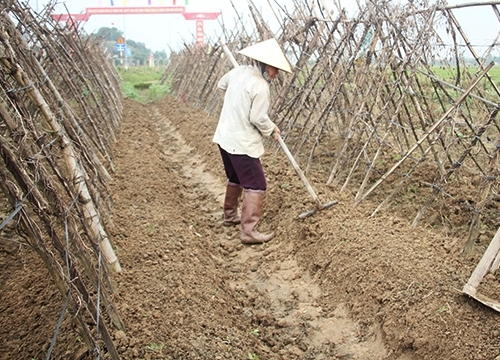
x,y
110,37
139,53
110,34
160,57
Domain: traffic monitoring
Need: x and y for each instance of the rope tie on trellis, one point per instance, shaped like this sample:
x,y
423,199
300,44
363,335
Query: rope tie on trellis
x,y
33,157
68,274
437,187
490,178
470,207
398,125
20,89
45,80
58,326
17,208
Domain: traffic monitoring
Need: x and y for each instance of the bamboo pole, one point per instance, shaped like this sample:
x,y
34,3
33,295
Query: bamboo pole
x,y
356,161
371,165
496,264
483,266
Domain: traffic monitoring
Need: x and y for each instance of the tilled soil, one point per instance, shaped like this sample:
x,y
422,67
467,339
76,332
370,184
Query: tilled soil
x,y
336,285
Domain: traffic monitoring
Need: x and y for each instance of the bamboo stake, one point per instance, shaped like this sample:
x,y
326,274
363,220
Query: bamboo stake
x,y
341,154
473,51
75,278
421,118
430,131
371,166
78,135
356,161
73,166
399,185
483,195
483,266
496,264
76,77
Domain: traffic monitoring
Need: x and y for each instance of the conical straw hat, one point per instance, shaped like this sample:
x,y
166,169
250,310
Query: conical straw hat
x,y
268,52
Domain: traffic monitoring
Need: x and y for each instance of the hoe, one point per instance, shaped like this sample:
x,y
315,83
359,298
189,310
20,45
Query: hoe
x,y
319,205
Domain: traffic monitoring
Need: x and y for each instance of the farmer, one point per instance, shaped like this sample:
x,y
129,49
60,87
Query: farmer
x,y
243,123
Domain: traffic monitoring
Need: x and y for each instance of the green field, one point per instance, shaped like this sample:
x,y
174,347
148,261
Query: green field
x,y
141,83
450,74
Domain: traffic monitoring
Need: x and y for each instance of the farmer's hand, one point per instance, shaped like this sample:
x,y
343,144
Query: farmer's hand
x,y
276,133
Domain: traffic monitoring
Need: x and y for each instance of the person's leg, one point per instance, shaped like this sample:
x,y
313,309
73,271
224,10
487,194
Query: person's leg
x,y
251,176
233,192
230,171
251,212
231,202
249,172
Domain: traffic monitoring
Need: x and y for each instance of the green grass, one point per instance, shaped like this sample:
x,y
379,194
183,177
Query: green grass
x,y
140,74
141,83
157,91
450,73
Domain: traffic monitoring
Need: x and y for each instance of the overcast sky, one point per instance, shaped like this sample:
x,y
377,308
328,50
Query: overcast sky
x,y
160,31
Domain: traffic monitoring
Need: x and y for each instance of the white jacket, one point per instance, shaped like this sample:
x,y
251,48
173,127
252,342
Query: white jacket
x,y
244,119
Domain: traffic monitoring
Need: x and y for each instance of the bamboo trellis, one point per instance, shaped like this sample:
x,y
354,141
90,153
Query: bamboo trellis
x,y
365,108
55,146
364,97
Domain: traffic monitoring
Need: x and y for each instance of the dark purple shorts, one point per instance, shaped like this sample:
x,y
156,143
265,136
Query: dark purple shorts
x,y
244,170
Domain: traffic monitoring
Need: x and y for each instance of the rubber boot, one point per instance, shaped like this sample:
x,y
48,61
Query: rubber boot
x,y
231,202
250,215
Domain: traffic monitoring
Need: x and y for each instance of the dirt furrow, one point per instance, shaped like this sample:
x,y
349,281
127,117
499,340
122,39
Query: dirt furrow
x,y
281,296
